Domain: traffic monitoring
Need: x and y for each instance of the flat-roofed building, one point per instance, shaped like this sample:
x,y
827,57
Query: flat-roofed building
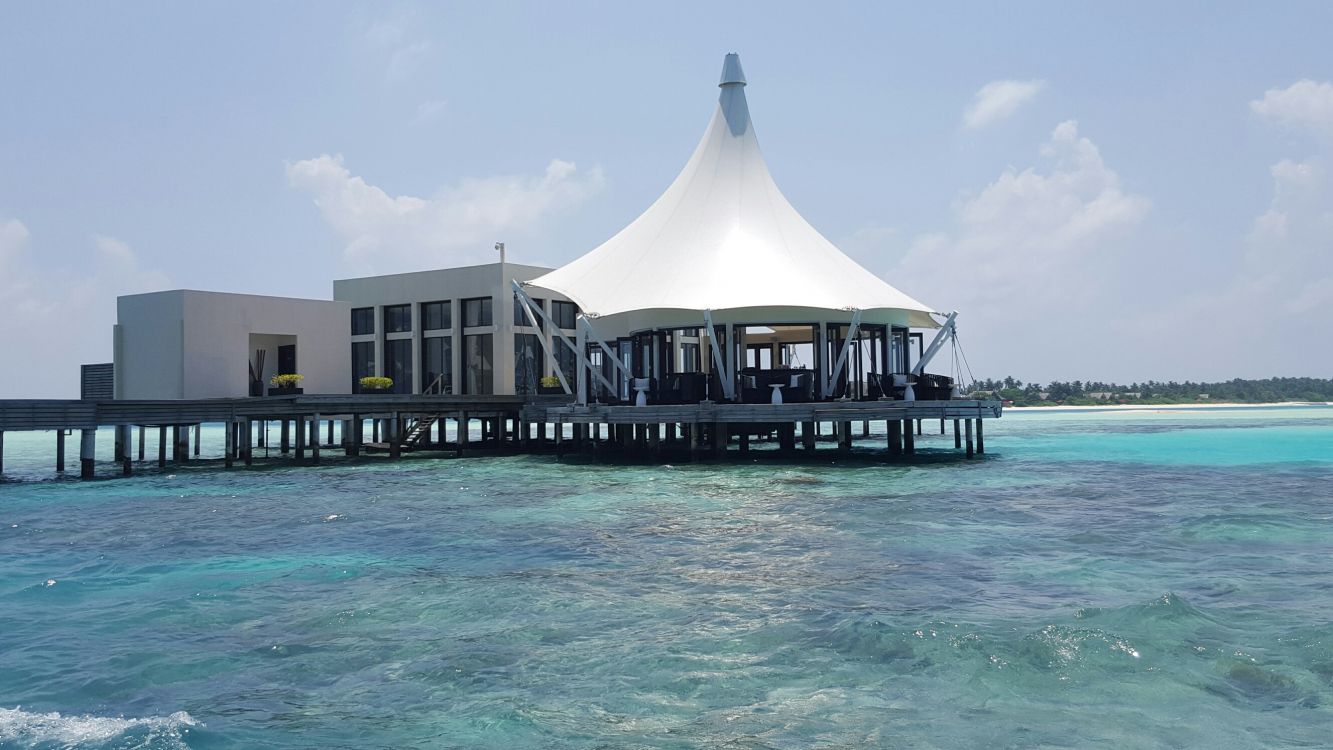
x,y
453,330
187,344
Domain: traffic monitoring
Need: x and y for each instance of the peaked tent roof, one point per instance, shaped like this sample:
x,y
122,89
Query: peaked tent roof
x,y
723,237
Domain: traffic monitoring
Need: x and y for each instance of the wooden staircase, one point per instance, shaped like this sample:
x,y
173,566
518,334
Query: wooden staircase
x,y
418,430
423,424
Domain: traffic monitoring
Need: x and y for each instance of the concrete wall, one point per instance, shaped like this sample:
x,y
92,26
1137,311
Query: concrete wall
x,y
149,352
190,344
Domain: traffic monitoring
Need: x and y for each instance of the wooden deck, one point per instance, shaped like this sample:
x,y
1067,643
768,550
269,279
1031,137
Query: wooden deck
x,y
51,414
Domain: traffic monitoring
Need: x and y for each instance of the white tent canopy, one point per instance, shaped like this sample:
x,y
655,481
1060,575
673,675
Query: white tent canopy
x,y
723,238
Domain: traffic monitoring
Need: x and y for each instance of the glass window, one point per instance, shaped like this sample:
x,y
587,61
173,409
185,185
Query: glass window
x,y
437,359
521,314
363,362
527,363
436,316
477,356
398,364
567,361
477,312
397,319
689,358
564,314
363,321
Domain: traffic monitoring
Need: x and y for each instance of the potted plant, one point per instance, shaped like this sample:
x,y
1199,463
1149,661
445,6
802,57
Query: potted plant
x,y
376,383
549,385
285,384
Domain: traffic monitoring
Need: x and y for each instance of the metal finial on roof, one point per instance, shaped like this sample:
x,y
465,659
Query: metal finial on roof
x,y
731,70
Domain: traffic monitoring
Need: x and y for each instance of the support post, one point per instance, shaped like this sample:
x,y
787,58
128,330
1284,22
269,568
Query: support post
x,y
125,433
957,435
198,433
895,431
314,438
162,446
60,449
247,445
329,442
354,443
808,435
462,432
298,425
229,449
142,430
909,437
967,424
286,436
981,441
180,437
720,439
87,453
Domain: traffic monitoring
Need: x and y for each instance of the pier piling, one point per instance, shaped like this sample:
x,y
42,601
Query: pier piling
x,y
87,453
60,451
314,438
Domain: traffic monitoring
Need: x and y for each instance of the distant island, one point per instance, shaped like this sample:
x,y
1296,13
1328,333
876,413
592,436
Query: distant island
x,y
1094,393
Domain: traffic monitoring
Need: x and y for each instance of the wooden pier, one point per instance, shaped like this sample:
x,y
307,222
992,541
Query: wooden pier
x,y
394,424
709,427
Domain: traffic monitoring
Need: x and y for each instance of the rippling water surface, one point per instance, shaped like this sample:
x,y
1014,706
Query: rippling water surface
x,y
1098,580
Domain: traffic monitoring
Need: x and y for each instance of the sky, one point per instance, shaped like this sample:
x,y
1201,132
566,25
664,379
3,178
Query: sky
x,y
1130,192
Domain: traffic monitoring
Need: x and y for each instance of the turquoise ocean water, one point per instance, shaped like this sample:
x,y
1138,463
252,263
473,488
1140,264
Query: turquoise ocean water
x,y
1113,580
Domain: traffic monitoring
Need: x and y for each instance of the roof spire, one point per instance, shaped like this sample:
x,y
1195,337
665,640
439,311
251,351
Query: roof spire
x,y
731,70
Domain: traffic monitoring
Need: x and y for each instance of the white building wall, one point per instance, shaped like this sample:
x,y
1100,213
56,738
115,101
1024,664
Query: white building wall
x,y
191,344
149,336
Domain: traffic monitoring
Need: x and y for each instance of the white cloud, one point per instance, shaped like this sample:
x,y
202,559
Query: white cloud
x,y
428,111
459,224
999,99
403,53
13,241
1305,104
1030,236
1029,260
61,317
1290,246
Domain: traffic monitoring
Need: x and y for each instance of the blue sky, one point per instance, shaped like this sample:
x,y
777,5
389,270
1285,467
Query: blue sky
x,y
1125,192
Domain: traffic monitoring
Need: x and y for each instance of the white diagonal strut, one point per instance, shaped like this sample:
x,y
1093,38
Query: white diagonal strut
x,y
842,355
530,307
947,330
723,375
585,330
